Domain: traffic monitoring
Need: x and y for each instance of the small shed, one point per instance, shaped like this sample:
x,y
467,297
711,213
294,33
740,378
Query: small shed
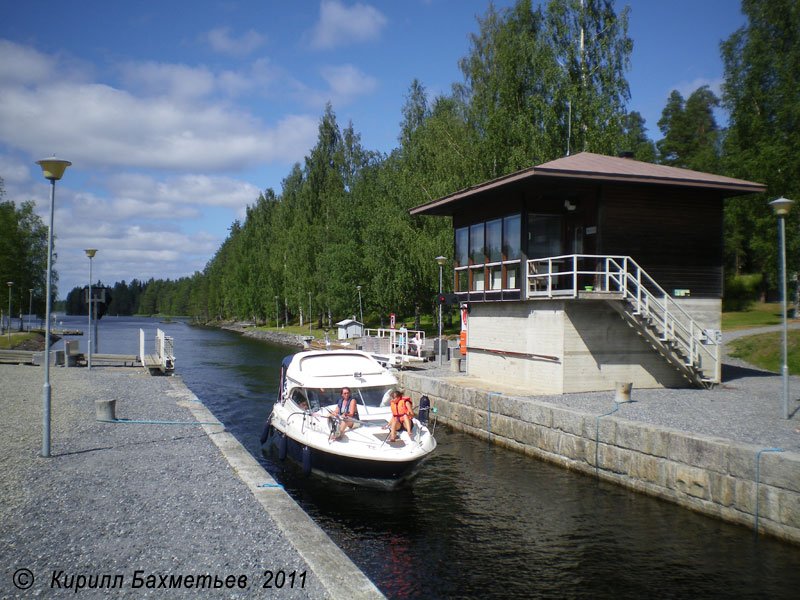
x,y
350,328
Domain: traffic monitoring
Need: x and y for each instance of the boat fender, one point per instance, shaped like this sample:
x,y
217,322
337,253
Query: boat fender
x,y
282,446
266,432
424,409
306,461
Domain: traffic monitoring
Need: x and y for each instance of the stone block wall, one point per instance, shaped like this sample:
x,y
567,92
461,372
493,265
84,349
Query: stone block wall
x,y
713,476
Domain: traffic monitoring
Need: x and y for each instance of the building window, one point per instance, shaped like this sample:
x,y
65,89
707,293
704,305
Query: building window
x,y
476,248
494,241
462,247
487,256
511,237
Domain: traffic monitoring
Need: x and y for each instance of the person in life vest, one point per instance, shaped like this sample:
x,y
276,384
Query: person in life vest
x,y
402,413
347,410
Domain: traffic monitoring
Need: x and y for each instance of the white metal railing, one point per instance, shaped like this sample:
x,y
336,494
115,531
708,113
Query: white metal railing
x,y
570,275
406,342
165,350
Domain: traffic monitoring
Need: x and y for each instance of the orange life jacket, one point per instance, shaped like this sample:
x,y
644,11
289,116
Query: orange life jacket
x,y
399,408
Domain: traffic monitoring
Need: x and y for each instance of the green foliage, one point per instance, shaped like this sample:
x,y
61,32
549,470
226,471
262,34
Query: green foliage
x,y
741,291
23,255
762,78
691,135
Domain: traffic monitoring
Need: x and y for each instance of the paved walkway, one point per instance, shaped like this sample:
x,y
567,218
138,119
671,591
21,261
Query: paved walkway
x,y
132,508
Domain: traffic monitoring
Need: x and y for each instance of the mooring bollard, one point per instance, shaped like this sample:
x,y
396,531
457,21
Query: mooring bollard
x,y
105,410
623,393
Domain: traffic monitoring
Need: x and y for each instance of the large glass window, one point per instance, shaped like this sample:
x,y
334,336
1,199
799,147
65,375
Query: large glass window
x,y
494,241
487,255
476,250
462,246
545,235
511,237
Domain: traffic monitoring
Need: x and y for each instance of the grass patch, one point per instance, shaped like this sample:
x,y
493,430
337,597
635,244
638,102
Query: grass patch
x,y
758,315
765,350
17,339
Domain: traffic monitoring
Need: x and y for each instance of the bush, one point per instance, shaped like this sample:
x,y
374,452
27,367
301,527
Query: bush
x,y
740,291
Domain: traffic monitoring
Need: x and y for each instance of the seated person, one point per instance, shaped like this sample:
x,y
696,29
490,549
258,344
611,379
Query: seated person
x,y
347,410
402,413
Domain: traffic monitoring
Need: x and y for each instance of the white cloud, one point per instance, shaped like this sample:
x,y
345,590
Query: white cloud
x,y
339,25
175,81
222,42
171,125
346,82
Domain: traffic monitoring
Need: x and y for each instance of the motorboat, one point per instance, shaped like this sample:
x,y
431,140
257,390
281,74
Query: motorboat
x,y
302,427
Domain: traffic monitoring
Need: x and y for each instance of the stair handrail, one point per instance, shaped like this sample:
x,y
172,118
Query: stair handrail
x,y
691,341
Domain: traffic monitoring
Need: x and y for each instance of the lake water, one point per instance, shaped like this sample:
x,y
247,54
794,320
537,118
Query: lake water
x,y
480,521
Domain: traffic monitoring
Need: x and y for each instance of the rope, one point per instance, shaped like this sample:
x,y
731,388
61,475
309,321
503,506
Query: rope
x,y
758,458
160,422
597,439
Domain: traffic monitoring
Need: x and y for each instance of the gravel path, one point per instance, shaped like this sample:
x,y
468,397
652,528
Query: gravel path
x,y
117,498
747,407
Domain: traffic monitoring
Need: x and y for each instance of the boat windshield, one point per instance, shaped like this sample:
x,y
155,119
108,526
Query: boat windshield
x,y
318,397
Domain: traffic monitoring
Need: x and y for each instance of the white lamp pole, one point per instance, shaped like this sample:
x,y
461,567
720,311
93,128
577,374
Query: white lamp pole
x,y
277,317
30,308
782,206
360,312
90,252
53,169
309,312
441,260
8,329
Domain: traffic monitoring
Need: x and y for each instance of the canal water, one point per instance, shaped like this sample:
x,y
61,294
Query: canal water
x,y
480,521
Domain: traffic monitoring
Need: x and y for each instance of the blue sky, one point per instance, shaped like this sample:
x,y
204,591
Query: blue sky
x,y
177,114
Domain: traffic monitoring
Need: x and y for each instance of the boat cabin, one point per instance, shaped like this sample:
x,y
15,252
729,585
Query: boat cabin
x,y
590,270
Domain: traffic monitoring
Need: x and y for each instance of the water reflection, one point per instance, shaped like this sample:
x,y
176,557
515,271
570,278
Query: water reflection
x,y
483,522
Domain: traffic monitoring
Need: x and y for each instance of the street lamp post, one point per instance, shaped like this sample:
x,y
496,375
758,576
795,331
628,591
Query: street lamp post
x,y
8,328
360,312
90,252
53,169
30,308
309,312
441,260
782,206
277,317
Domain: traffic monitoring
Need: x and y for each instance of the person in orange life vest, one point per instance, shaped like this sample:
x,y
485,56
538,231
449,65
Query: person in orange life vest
x,y
402,413
347,409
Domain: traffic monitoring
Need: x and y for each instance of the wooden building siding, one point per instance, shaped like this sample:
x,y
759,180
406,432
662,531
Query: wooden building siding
x,y
675,234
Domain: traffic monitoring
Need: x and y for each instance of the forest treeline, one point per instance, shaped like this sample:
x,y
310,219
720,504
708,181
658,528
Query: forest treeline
x,y
538,83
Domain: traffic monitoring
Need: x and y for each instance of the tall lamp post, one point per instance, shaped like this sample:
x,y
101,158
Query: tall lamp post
x,y
360,312
309,312
30,308
441,260
53,169
8,328
277,317
782,206
90,252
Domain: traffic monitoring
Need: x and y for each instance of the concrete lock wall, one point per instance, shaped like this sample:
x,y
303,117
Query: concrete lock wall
x,y
712,476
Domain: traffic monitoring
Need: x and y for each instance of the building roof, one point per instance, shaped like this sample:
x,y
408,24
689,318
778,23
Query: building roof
x,y
597,167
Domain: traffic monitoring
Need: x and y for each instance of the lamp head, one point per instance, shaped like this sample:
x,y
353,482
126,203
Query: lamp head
x,y
781,206
10,283
90,252
358,287
441,260
53,168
